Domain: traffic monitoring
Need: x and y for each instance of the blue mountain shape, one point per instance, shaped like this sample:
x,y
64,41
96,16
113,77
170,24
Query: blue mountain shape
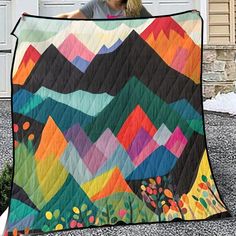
x,y
20,98
81,63
74,164
104,49
159,163
119,159
185,109
63,115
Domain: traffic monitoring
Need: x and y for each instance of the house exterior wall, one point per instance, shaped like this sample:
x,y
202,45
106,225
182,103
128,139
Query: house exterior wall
x,y
219,57
219,70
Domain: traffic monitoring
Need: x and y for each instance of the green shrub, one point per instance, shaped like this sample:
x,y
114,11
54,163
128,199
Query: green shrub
x,y
5,187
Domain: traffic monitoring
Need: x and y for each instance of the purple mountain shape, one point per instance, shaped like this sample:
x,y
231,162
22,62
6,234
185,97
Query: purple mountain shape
x,y
140,141
80,140
101,151
107,143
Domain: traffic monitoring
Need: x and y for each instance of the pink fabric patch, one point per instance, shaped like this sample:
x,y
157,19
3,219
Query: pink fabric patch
x,y
72,47
113,17
176,142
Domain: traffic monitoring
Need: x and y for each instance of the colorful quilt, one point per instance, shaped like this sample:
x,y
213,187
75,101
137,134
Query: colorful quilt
x,y
108,124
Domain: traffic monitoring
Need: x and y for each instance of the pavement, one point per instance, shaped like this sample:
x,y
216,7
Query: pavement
x,y
221,139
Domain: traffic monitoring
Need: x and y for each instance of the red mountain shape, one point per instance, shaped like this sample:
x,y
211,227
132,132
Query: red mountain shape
x,y
27,64
135,121
31,53
165,24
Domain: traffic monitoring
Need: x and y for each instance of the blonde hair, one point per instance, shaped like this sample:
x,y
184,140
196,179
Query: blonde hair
x,y
133,8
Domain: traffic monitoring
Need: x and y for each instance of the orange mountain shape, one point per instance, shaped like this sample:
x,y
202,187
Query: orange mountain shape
x,y
108,183
52,141
136,120
28,62
174,46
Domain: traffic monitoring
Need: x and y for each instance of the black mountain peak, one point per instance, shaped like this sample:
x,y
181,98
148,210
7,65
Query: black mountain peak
x,y
110,72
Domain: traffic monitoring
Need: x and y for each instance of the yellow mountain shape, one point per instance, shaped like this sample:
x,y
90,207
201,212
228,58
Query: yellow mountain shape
x,y
51,176
106,184
198,209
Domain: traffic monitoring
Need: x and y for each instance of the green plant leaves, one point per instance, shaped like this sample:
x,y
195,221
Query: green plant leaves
x,y
56,213
195,198
45,228
203,202
104,214
114,220
84,207
76,217
126,205
204,178
89,212
112,212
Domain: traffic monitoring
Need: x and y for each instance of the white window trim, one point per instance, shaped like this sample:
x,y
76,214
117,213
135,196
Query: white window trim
x,y
202,6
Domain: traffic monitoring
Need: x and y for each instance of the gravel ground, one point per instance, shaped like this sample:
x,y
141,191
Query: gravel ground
x,y
221,137
5,134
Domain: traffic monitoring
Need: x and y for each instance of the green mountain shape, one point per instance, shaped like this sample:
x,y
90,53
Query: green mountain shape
x,y
25,175
64,116
69,196
89,103
110,25
19,211
196,125
135,93
125,207
35,35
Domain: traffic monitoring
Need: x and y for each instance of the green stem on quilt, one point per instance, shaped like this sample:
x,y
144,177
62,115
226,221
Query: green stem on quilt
x,y
216,197
108,214
216,209
131,211
191,211
180,211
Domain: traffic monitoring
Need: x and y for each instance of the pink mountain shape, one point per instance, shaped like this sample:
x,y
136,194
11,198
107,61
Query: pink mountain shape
x,y
94,159
72,47
107,143
180,64
176,142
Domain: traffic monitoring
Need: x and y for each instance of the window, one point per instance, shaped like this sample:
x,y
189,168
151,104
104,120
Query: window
x,y
221,22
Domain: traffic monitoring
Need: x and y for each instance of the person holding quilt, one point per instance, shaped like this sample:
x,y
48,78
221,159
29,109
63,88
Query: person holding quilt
x,y
109,9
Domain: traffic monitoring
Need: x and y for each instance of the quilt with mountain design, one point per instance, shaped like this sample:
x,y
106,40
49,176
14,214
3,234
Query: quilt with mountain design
x,y
108,124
